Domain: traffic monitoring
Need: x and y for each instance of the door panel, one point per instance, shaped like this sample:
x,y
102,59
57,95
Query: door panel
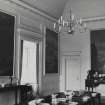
x,y
72,72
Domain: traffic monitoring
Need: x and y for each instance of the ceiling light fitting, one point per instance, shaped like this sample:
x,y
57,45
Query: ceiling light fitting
x,y
71,24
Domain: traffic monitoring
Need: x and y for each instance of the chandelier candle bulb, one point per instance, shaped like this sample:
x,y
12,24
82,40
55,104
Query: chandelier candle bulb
x,y
54,25
61,19
72,17
80,22
59,28
63,23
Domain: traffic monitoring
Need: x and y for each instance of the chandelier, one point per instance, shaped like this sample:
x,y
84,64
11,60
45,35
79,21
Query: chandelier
x,y
71,24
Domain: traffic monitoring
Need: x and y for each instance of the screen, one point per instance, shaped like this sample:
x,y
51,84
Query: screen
x,y
6,44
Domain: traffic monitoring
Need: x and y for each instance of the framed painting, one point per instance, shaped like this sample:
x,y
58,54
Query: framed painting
x,y
7,43
98,50
51,52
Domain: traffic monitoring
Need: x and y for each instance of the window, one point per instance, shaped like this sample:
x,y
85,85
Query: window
x,y
29,62
30,53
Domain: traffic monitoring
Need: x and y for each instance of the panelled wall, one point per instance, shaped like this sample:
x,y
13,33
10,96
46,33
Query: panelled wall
x,y
28,23
80,41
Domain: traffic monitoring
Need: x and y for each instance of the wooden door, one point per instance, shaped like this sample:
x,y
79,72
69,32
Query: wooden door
x,y
72,72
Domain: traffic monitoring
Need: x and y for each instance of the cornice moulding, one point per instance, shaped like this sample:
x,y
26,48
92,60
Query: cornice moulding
x,y
25,6
94,19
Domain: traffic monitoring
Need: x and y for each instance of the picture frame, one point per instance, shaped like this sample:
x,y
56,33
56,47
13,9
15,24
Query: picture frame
x,y
98,50
51,52
8,25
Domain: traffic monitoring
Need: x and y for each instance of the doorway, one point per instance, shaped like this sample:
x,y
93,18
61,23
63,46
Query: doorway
x,y
72,72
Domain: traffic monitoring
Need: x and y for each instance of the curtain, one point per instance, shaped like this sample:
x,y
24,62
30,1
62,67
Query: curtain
x,y
29,64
